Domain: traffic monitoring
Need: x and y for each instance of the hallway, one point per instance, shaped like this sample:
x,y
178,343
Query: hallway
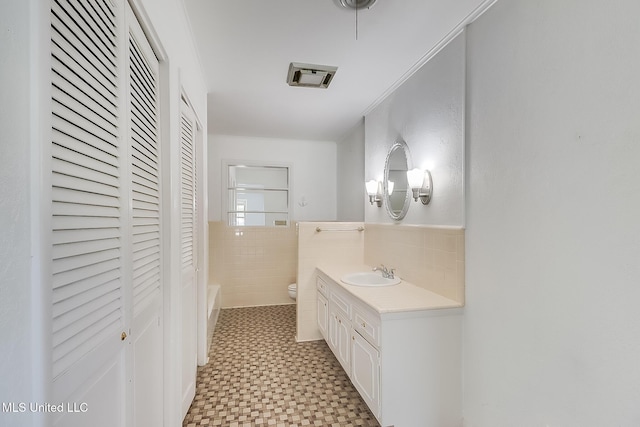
x,y
258,375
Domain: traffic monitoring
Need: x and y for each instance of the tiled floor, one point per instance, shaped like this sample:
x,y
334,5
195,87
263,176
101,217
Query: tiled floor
x,y
258,375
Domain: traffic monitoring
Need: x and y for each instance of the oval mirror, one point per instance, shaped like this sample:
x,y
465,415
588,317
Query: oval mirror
x,y
396,192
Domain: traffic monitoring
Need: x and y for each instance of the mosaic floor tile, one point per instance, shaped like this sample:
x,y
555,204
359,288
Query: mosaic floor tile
x,y
258,375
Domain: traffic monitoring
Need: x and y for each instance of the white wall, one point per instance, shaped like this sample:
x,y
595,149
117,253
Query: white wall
x,y
313,178
18,360
551,324
427,112
350,175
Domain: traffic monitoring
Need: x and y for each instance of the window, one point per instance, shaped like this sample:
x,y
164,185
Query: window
x,y
257,195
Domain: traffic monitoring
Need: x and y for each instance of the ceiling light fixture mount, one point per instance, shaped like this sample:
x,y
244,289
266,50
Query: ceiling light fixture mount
x,y
355,4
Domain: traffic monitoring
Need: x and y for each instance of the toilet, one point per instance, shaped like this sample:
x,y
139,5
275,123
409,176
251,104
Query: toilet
x,y
293,291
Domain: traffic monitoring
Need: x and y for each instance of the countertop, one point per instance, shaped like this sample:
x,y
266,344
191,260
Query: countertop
x,y
403,297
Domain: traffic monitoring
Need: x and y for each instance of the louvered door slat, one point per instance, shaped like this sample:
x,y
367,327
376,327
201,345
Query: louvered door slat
x,y
144,151
72,196
89,170
93,24
73,210
84,142
85,259
142,230
86,273
86,340
86,199
65,181
145,176
140,188
87,100
79,223
146,265
104,9
146,125
71,236
145,172
146,276
143,95
69,324
143,198
68,114
70,26
78,248
139,63
77,70
68,149
103,279
145,253
83,111
102,16
143,148
144,188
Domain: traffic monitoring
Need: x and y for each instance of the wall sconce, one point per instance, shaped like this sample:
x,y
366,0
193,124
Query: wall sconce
x,y
421,185
374,190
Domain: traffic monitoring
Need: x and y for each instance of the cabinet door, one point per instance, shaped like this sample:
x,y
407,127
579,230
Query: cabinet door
x,y
323,315
343,349
339,336
365,371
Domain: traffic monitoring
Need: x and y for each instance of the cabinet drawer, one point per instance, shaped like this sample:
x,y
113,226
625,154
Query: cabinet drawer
x,y
341,304
321,285
367,324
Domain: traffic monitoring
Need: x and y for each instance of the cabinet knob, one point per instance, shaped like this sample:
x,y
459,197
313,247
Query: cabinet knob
x,y
353,338
364,325
123,336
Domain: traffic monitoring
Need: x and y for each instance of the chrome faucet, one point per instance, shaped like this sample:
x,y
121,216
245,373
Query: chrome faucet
x,y
386,273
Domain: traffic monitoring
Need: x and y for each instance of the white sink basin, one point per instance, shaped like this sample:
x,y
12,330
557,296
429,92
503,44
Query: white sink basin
x,y
368,278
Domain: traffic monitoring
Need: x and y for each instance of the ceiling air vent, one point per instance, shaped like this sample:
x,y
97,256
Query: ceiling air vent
x,y
307,75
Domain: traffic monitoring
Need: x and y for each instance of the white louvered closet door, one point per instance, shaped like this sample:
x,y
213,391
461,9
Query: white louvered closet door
x,y
89,283
106,326
143,137
188,242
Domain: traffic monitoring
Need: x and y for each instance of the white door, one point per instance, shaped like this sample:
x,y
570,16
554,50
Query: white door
x,y
188,242
91,302
144,145
107,340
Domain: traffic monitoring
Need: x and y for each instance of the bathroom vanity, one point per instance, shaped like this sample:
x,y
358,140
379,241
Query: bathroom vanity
x,y
399,345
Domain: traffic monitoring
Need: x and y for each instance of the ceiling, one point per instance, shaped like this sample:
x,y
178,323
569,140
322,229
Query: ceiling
x,y
245,47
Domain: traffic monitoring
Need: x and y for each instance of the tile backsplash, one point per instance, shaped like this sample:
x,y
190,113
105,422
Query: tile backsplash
x,y
427,256
253,265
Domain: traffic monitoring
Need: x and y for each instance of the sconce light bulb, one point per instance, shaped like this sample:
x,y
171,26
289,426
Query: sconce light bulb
x,y
415,178
372,187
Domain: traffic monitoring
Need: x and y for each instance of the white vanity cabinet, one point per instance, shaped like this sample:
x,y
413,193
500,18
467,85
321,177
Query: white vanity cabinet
x,y
406,365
